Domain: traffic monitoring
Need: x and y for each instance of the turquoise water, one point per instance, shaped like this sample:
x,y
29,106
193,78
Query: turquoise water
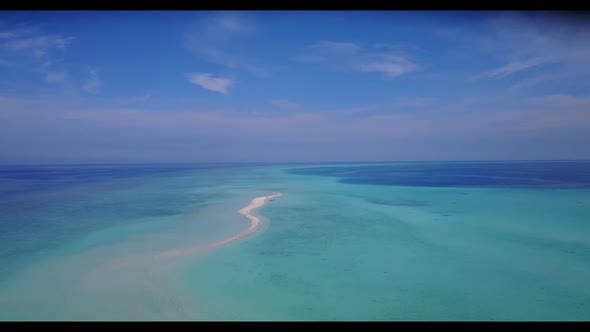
x,y
339,245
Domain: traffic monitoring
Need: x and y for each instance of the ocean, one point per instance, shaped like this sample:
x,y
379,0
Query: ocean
x,y
400,241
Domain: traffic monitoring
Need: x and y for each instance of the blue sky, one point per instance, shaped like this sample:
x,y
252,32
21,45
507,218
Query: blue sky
x,y
192,86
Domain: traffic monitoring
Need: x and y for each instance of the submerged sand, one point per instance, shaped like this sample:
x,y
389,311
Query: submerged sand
x,y
99,276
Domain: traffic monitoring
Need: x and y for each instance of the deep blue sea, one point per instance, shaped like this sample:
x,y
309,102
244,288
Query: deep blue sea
x,y
522,174
347,241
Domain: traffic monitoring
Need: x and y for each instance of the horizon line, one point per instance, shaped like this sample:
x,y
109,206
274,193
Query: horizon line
x,y
284,162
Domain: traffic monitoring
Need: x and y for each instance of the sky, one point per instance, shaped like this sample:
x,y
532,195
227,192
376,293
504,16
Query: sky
x,y
293,86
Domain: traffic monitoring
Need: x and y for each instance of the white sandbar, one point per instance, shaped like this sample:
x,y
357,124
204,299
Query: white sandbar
x,y
247,211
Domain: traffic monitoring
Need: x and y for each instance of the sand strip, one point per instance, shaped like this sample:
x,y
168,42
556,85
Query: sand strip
x,y
255,223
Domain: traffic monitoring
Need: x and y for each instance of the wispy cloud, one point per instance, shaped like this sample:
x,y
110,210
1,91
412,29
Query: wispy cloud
x,y
211,82
286,104
544,41
353,57
561,100
93,83
8,34
43,50
17,31
337,47
133,99
390,65
52,75
55,76
229,23
415,102
514,67
214,41
38,45
565,73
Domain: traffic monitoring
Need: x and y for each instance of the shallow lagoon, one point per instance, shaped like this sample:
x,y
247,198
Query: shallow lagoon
x,y
337,246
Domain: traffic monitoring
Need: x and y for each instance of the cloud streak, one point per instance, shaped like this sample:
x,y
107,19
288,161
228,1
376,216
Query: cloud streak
x,y
210,82
515,67
389,65
353,57
549,43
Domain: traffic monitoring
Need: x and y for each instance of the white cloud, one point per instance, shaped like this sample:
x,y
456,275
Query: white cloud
x,y
210,82
93,83
349,56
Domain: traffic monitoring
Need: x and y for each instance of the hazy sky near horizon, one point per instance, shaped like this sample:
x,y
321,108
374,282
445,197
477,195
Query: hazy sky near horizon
x,y
199,86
